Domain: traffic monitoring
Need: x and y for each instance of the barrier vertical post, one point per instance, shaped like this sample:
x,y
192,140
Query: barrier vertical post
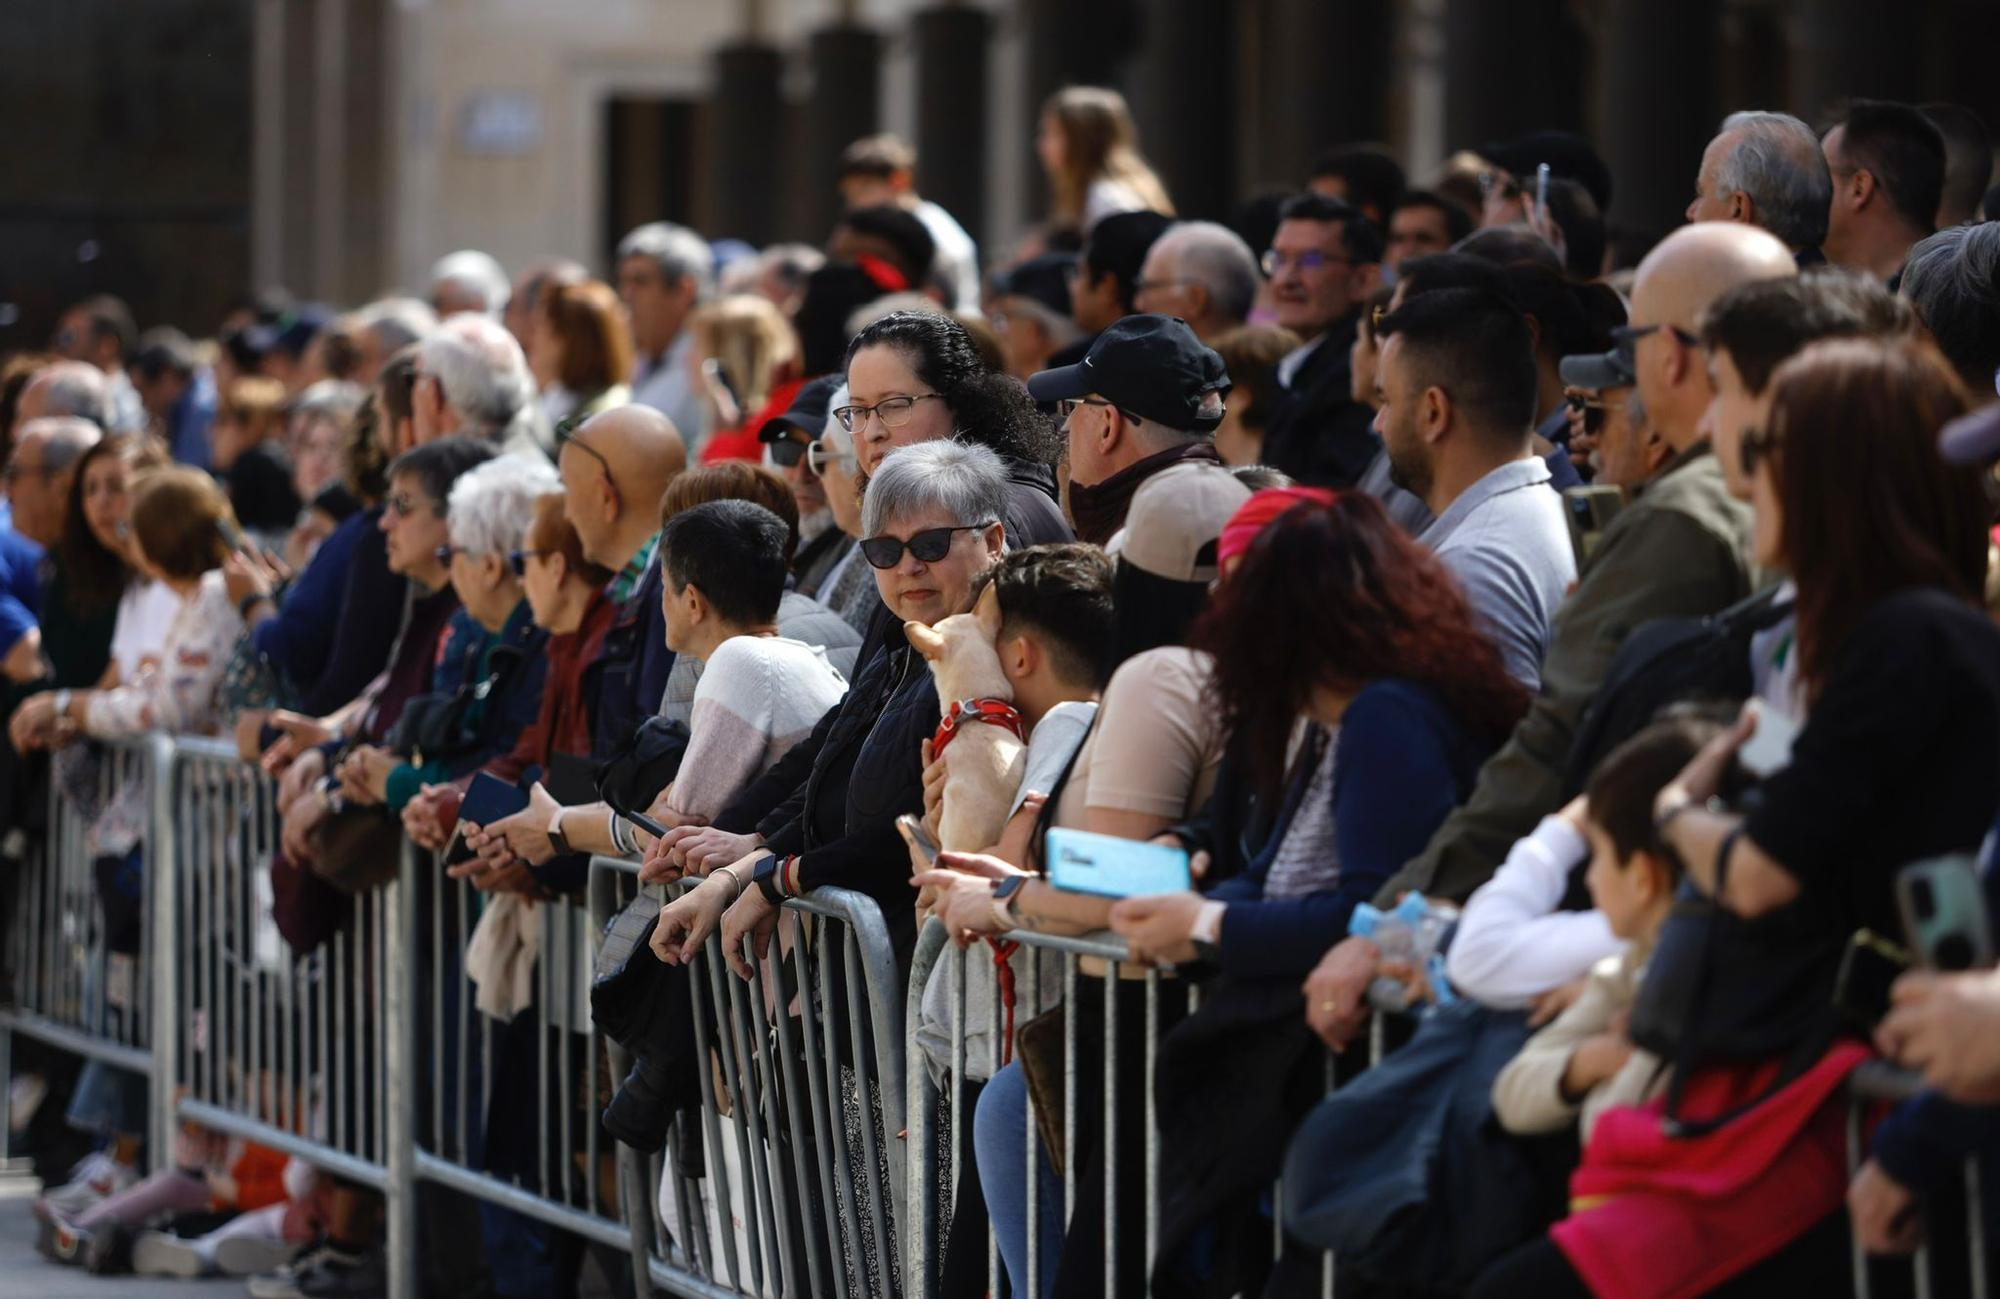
x,y
399,1078
162,876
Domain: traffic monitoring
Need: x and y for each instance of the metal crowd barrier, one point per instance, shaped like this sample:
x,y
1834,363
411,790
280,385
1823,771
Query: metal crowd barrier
x,y
71,989
815,1164
937,1089
797,1141
1876,1083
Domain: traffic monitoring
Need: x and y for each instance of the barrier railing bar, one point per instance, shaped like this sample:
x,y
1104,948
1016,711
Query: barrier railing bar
x,y
352,1167
492,1190
76,1041
818,1088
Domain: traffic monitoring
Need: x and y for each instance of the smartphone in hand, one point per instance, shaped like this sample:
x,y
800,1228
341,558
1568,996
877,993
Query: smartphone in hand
x,y
913,831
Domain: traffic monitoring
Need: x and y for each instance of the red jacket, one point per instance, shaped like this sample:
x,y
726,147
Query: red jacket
x,y
740,443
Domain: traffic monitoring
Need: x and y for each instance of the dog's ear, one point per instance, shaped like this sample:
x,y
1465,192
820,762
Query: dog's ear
x,y
927,642
987,612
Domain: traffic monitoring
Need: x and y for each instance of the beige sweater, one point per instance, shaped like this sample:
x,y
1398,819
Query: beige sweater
x,y
1528,1097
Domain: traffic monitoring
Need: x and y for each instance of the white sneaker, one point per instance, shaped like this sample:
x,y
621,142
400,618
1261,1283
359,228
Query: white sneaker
x,y
158,1253
96,1177
252,1255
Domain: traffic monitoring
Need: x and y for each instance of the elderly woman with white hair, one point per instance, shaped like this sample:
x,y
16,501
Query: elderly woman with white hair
x,y
930,526
487,687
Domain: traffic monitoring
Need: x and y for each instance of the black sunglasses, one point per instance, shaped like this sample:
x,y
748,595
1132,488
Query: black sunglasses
x,y
787,451
518,560
929,546
1592,409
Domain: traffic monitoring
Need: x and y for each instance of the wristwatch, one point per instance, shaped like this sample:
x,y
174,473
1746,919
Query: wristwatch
x,y
765,876
556,840
1005,893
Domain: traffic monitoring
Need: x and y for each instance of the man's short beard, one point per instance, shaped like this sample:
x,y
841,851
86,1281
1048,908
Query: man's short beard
x,y
1412,474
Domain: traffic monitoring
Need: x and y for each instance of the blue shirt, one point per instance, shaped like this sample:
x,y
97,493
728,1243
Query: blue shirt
x,y
1507,542
20,588
190,421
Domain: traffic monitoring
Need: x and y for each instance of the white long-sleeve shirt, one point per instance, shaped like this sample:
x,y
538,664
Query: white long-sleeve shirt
x,y
1513,944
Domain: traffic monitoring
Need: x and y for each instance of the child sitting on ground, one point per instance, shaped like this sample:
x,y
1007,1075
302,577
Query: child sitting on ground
x,y
1583,1063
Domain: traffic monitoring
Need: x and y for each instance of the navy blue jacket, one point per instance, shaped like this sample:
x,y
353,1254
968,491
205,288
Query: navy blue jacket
x,y
629,677
333,633
1402,762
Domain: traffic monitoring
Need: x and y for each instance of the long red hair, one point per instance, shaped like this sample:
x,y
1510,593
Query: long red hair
x,y
1336,596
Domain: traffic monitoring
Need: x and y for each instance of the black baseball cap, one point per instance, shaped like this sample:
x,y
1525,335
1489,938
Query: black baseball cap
x,y
1596,371
807,414
1151,365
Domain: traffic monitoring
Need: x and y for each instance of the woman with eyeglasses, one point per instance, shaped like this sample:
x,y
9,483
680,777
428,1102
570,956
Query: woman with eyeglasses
x,y
488,684
932,523
564,591
306,751
917,376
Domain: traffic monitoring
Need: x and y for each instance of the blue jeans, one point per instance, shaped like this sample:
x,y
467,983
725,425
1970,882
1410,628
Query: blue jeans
x,y
1001,1127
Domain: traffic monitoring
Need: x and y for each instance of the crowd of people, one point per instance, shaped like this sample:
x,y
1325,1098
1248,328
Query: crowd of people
x,y
1398,555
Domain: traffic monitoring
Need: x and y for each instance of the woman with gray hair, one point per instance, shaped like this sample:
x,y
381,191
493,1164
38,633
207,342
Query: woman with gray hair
x,y
930,526
487,686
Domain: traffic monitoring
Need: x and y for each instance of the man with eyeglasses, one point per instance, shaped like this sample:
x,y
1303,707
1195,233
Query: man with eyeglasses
x,y
1680,549
1202,272
788,440
1323,263
1147,396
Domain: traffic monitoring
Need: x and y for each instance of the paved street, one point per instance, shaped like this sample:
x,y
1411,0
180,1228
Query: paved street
x,y
24,1274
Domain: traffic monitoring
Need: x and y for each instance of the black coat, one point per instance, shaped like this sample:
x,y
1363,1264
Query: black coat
x,y
1317,432
866,771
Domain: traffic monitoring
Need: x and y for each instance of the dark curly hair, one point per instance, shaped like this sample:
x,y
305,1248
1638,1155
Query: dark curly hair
x,y
1357,600
987,407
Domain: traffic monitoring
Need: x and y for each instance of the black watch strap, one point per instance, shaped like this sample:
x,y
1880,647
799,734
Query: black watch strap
x,y
765,876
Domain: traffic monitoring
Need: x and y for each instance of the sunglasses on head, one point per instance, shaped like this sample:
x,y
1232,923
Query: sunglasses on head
x,y
929,546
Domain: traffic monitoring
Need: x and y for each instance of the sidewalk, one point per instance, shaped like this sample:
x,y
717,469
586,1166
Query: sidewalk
x,y
24,1274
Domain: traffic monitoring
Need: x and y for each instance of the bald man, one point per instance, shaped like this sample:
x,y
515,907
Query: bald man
x,y
1679,549
614,468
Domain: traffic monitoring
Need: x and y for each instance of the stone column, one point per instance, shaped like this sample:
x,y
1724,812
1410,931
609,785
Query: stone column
x,y
951,88
1659,104
746,130
1184,97
844,106
1509,69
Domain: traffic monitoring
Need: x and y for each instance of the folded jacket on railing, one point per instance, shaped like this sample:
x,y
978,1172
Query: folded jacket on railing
x,y
500,958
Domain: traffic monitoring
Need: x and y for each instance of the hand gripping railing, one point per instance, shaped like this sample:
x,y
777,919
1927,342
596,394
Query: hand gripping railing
x,y
800,1188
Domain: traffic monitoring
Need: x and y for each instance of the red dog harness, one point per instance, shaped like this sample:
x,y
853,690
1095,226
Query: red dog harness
x,y
994,712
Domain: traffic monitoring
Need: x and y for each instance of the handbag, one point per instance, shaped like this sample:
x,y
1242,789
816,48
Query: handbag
x,y
1038,1044
1723,989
